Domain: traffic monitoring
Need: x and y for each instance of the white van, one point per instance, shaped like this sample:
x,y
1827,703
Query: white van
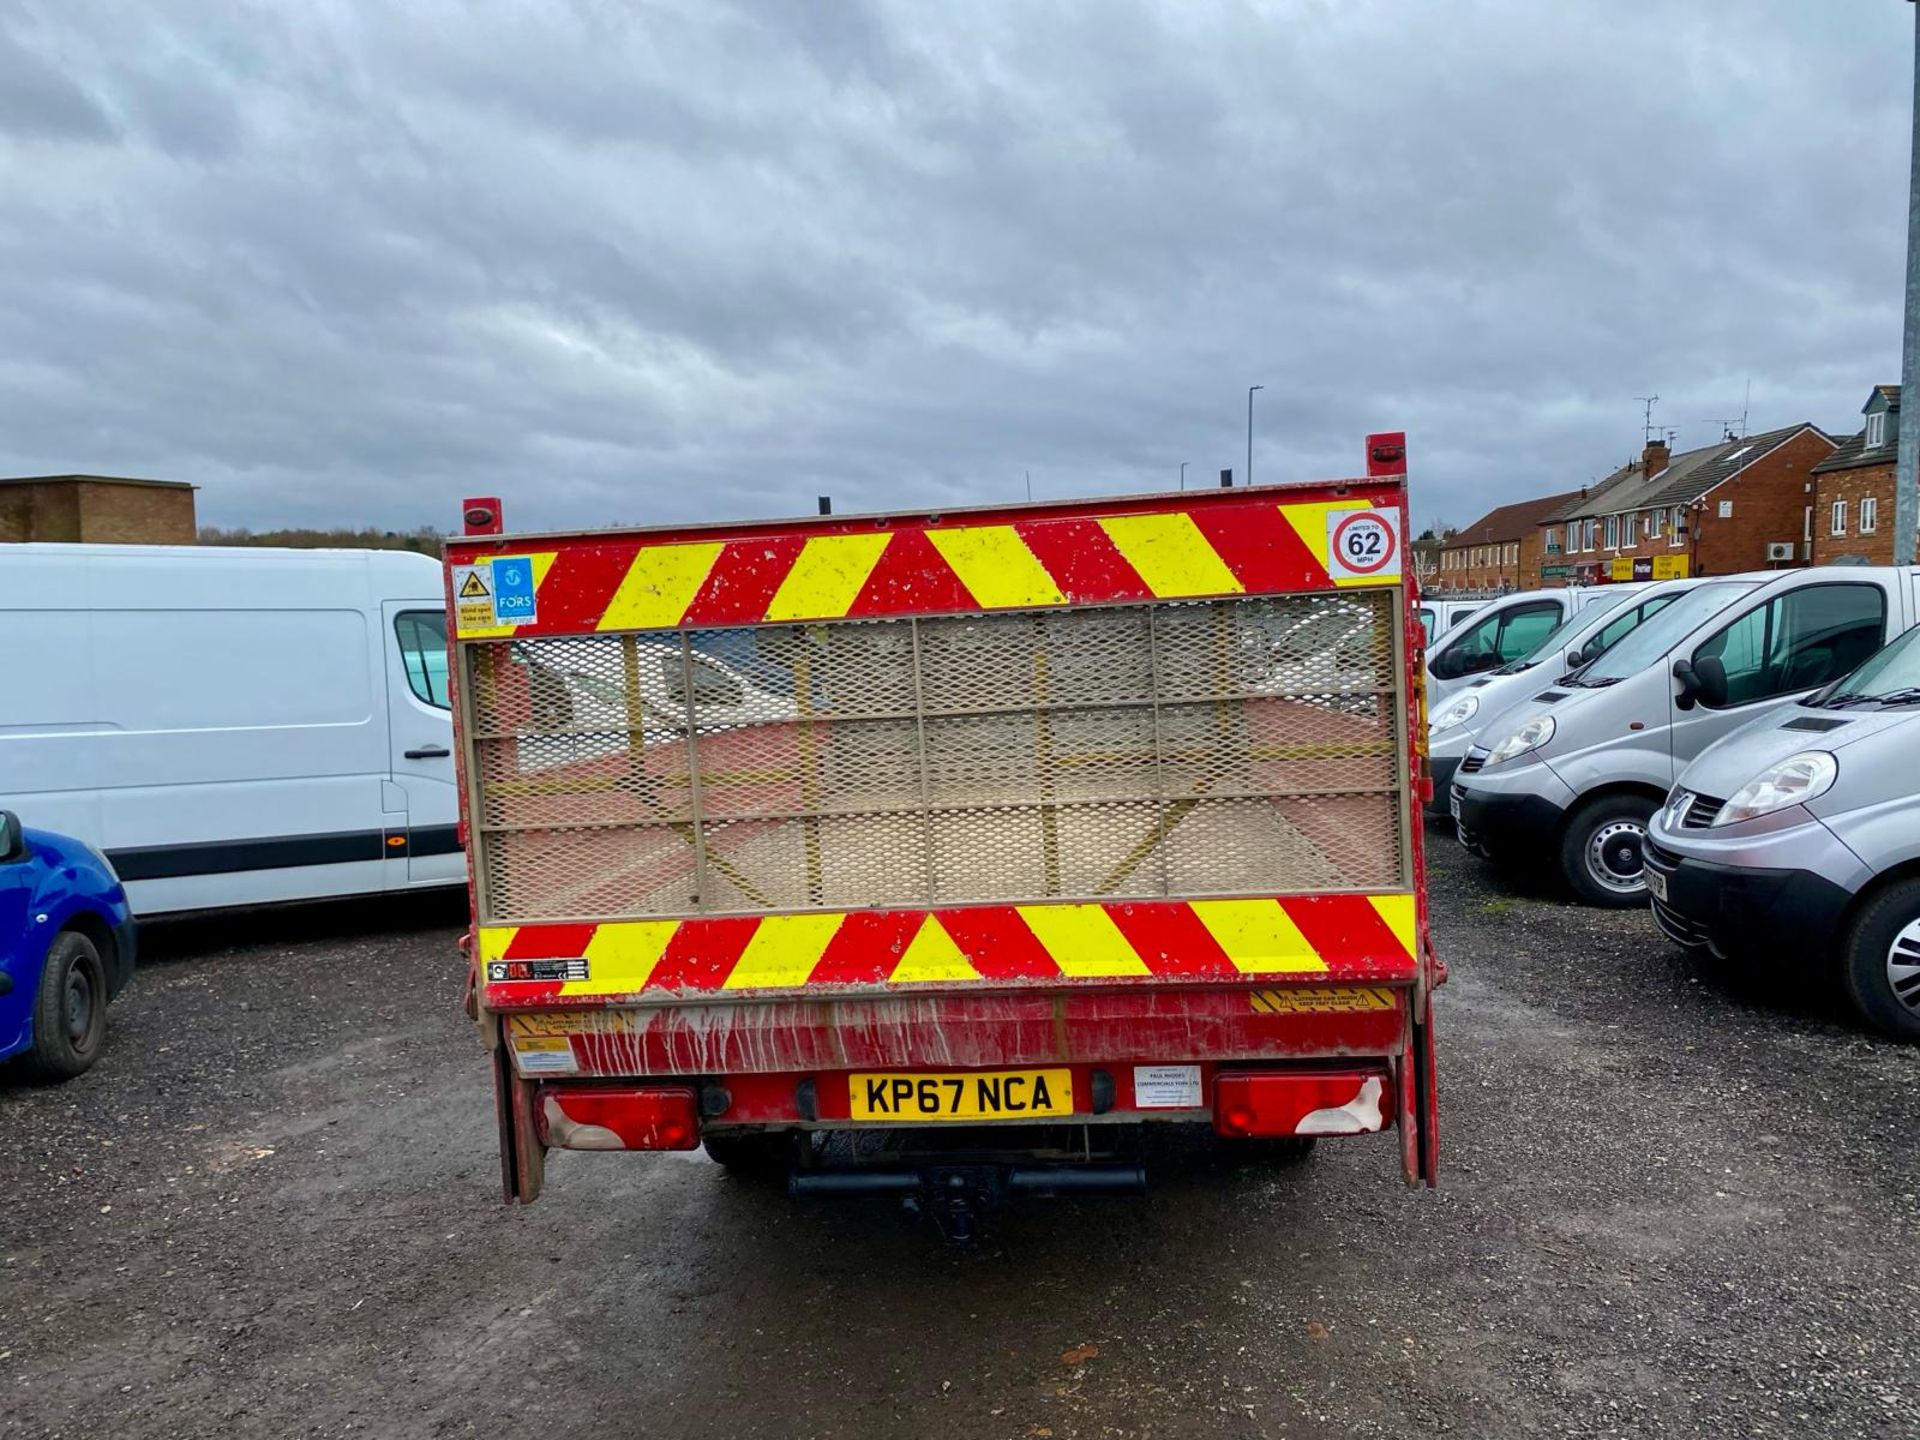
x,y
1503,631
231,725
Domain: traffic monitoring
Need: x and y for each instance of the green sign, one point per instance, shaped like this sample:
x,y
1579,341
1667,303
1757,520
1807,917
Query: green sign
x,y
1555,572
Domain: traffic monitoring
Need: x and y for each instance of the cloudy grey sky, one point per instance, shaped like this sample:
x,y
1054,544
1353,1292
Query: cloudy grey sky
x,y
347,262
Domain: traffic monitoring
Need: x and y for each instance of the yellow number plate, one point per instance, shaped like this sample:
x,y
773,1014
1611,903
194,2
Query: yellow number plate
x,y
974,1095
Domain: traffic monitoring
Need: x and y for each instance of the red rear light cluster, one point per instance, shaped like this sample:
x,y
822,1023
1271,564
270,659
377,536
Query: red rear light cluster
x,y
1247,1104
627,1117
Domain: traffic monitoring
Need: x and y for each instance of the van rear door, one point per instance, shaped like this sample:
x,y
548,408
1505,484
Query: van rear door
x,y
420,734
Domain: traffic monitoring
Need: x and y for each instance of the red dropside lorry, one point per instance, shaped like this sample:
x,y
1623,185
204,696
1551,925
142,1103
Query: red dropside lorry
x,y
984,836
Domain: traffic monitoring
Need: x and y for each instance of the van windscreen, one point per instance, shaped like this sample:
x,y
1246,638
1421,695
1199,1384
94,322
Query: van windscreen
x,y
1661,633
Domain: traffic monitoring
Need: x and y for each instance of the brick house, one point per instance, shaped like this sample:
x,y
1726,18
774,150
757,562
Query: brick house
x,y
97,508
1853,489
1740,504
1500,550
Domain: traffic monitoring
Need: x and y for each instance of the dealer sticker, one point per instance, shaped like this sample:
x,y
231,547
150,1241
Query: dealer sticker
x,y
1363,545
544,1055
500,972
1166,1087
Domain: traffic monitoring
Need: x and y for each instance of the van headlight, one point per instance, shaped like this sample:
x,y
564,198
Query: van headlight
x,y
1530,736
1792,781
1458,713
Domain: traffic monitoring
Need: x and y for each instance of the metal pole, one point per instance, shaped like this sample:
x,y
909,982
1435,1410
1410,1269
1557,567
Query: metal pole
x,y
1183,473
1906,500
1250,390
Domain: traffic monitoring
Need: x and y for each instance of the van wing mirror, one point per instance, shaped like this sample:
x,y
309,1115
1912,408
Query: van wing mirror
x,y
1689,679
13,842
1710,675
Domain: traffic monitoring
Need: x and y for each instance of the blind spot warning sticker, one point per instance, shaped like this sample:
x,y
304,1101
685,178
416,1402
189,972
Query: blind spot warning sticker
x,y
1167,1087
1363,545
472,597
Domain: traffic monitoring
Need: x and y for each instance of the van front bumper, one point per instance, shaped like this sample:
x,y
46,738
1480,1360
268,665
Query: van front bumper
x,y
1512,813
1742,909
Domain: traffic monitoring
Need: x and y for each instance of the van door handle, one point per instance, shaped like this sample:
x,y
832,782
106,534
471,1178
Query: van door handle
x,y
429,752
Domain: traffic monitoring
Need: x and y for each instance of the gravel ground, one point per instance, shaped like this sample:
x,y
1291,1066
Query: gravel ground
x,y
1670,1206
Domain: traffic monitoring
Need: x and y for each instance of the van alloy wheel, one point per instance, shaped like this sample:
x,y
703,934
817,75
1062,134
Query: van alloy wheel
x,y
1903,967
1616,857
1880,959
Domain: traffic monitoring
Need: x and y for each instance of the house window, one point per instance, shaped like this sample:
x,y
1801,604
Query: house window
x,y
1613,532
1513,553
1653,524
1551,540
1869,514
1838,524
1876,430
1679,520
1592,531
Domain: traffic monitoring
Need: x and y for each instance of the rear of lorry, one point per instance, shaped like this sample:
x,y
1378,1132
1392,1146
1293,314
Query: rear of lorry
x,y
984,835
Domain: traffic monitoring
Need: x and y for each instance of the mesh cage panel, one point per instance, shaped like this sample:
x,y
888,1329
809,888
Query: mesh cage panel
x,y
1245,746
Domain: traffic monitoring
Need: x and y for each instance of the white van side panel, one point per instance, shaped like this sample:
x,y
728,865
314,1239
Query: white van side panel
x,y
202,714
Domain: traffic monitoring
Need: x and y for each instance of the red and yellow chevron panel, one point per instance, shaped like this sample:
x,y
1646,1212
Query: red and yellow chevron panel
x,y
1344,938
1178,549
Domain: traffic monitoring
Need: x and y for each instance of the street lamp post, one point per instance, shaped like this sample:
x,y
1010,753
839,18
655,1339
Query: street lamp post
x,y
1183,473
1906,497
1250,390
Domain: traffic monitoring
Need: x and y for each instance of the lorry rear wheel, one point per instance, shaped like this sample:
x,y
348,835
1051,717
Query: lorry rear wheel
x,y
1881,964
1603,852
69,1009
752,1154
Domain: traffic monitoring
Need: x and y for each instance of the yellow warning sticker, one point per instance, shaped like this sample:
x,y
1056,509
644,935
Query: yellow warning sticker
x,y
1322,999
472,596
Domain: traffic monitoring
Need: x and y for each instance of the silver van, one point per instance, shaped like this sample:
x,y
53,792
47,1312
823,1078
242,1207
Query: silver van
x,y
1500,631
1798,837
1574,774
1581,638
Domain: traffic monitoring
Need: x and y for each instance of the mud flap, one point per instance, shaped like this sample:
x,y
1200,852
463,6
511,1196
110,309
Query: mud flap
x,y
523,1159
1417,1108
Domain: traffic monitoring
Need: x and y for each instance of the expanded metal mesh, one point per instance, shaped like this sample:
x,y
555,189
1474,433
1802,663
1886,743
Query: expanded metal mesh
x,y
1182,748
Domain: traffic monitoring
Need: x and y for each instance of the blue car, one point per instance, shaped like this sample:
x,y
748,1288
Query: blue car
x,y
66,949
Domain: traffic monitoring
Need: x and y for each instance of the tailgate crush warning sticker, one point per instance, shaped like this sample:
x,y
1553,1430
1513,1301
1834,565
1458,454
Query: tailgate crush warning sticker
x,y
1321,999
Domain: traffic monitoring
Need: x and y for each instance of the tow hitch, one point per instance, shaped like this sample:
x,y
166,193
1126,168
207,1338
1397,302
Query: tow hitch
x,y
957,1195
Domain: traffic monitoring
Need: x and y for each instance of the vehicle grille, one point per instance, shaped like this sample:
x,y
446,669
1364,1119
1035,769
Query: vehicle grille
x,y
1701,810
1475,759
1238,747
1682,931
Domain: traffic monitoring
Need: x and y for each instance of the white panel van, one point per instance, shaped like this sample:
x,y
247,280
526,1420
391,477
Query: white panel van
x,y
232,725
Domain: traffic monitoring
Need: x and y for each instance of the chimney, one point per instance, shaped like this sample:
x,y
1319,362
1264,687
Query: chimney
x,y
1654,458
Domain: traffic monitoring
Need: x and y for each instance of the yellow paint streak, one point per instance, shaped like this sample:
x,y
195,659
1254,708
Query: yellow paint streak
x,y
932,957
1171,554
827,577
1397,913
783,951
494,940
996,566
621,957
542,563
659,585
1259,937
1083,940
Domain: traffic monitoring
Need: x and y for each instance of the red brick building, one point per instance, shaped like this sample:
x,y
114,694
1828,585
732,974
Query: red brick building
x,y
1500,550
1853,489
1740,504
97,508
